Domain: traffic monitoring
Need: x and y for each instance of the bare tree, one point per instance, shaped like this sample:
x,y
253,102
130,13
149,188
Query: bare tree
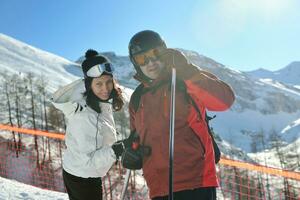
x,y
262,140
30,80
277,144
295,166
7,90
56,122
41,85
20,102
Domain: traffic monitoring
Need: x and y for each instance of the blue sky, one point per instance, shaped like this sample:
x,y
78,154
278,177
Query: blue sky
x,y
242,34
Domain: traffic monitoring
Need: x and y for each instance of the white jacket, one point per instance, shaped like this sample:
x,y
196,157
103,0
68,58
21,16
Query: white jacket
x,y
89,135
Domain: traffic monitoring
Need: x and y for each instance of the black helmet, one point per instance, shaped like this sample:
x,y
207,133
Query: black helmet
x,y
142,42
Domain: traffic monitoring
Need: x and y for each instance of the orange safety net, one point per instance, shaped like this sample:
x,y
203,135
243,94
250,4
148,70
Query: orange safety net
x,y
39,164
223,161
260,168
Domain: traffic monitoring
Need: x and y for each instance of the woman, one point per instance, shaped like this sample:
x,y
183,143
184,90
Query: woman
x,y
90,133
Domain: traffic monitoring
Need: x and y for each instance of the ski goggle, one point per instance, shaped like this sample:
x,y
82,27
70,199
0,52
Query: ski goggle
x,y
144,58
97,70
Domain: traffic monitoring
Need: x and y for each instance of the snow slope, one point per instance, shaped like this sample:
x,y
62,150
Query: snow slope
x,y
261,105
12,190
16,57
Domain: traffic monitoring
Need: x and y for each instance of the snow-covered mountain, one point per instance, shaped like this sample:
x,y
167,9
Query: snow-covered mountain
x,y
16,57
261,104
289,74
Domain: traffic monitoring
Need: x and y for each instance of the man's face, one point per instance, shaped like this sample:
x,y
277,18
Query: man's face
x,y
149,63
152,69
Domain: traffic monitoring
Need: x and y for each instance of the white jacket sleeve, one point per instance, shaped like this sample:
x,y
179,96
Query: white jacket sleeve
x,y
64,98
101,159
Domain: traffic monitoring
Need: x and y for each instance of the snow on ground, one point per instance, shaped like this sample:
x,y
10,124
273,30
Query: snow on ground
x,y
270,158
292,125
12,190
278,85
251,121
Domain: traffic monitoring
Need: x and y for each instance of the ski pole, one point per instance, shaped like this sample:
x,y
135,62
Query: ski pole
x,y
171,139
127,176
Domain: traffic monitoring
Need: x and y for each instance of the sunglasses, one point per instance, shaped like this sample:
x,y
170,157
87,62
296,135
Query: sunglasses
x,y
97,70
144,58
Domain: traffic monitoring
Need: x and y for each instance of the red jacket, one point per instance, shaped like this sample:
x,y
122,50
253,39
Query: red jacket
x,y
194,164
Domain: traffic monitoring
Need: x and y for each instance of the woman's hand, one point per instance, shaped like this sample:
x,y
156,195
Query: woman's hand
x,y
129,142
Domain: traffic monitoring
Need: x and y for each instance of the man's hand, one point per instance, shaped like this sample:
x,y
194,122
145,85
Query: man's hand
x,y
128,142
173,58
132,159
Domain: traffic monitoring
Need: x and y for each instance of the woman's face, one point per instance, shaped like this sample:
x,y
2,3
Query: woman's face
x,y
102,86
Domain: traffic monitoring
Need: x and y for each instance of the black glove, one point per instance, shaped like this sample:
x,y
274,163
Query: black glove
x,y
133,158
119,146
133,137
173,58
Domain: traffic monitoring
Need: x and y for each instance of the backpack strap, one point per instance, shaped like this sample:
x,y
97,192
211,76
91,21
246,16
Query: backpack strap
x,y
217,151
136,97
182,87
215,145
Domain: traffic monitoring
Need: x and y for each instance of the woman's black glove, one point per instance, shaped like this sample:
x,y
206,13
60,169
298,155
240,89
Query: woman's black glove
x,y
119,146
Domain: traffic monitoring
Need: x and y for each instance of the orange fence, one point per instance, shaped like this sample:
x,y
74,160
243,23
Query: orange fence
x,y
35,159
32,132
260,168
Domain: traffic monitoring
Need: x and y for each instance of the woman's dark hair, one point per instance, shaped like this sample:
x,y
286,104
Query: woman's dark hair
x,y
117,98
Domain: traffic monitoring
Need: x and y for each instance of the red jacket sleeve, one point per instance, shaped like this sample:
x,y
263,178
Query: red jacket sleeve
x,y
215,94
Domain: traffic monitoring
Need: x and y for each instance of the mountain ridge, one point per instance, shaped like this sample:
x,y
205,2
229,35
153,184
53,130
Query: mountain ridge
x,y
289,74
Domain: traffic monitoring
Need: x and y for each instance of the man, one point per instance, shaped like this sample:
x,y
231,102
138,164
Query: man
x,y
197,90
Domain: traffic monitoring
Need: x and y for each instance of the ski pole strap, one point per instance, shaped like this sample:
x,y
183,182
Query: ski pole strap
x,y
127,176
